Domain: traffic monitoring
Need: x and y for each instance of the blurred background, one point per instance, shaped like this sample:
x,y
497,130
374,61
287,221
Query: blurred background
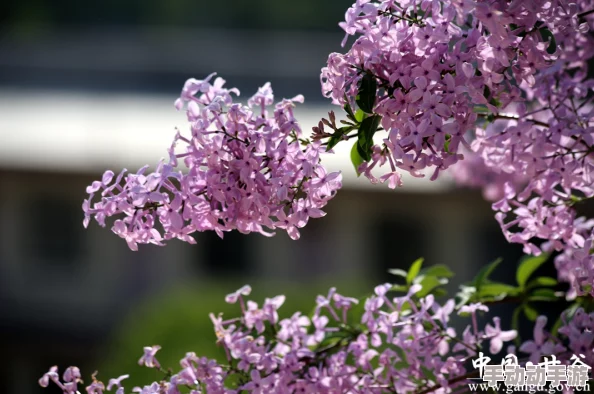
x,y
89,86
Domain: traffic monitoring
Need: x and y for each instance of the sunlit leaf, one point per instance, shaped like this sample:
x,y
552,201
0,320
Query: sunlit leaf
x,y
414,269
527,266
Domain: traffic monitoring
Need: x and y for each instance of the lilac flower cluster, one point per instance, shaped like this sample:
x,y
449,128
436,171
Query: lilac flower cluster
x,y
577,330
473,172
403,344
548,139
245,169
431,71
505,80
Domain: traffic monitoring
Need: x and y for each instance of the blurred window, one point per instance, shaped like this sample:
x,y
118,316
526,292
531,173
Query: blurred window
x,y
492,245
52,233
399,242
228,257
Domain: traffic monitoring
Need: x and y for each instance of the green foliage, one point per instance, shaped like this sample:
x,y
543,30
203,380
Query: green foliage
x,y
439,270
485,290
431,278
429,284
337,136
465,294
359,115
356,158
481,109
414,270
530,312
365,137
484,274
367,125
543,295
498,290
401,353
448,140
398,272
367,93
542,281
347,108
527,266
527,291
525,294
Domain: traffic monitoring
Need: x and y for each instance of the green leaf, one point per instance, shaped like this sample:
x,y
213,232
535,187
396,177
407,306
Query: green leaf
x,y
446,145
414,269
439,292
356,158
330,342
542,281
401,288
439,270
480,109
428,374
234,380
333,339
497,290
556,326
495,102
544,295
547,36
359,115
401,353
337,137
429,283
348,109
397,272
484,274
367,129
530,312
527,266
465,294
367,91
516,324
365,154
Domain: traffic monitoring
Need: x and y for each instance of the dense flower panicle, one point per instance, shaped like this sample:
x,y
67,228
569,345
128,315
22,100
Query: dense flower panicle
x,y
246,168
434,62
502,82
549,141
580,340
423,101
473,172
576,267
